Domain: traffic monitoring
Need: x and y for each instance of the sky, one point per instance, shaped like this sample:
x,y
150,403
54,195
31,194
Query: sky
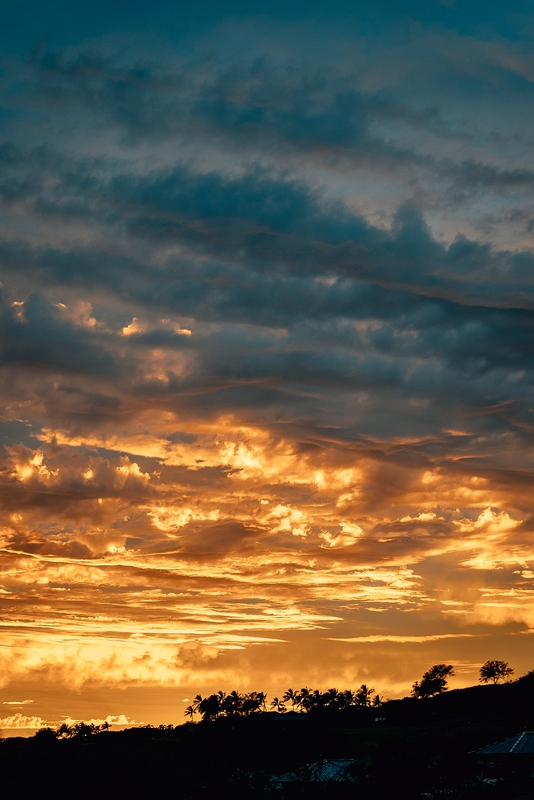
x,y
266,350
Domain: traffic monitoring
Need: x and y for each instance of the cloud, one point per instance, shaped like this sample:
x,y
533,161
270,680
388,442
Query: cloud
x,y
407,639
22,722
265,352
111,719
17,702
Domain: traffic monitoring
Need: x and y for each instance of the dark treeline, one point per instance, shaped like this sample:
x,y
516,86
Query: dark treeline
x,y
306,700
233,704
419,746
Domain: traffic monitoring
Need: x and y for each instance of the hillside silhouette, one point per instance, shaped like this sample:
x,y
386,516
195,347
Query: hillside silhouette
x,y
408,748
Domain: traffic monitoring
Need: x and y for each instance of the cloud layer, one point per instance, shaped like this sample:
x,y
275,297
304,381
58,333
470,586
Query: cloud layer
x,y
266,355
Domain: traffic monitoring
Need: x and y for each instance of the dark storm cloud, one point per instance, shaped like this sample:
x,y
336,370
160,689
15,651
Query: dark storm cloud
x,y
344,315
38,338
273,223
264,108
250,103
470,340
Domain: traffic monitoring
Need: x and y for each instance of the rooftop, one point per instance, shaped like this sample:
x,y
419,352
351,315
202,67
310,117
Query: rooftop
x,y
328,770
521,743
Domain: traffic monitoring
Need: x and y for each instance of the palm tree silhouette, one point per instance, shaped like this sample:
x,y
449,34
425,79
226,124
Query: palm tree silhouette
x,y
377,701
363,696
304,698
292,697
196,703
210,707
279,705
346,699
332,698
232,703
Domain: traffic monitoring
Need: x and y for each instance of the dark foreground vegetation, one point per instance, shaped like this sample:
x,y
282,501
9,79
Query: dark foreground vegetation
x,y
410,748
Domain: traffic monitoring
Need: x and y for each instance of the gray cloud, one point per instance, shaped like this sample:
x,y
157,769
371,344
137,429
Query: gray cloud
x,y
265,335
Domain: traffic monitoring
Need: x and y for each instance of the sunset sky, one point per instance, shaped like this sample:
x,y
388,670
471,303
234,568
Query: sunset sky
x,y
267,349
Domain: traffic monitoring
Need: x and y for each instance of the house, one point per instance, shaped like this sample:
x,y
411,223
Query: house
x,y
285,716
328,771
520,744
509,762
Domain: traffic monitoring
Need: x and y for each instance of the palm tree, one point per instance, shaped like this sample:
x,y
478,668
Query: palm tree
x,y
82,730
237,699
210,707
292,697
196,703
189,712
363,696
303,698
65,731
232,703
252,703
278,704
329,698
345,699
377,701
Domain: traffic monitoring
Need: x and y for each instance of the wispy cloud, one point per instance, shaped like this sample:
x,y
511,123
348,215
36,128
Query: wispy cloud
x,y
407,639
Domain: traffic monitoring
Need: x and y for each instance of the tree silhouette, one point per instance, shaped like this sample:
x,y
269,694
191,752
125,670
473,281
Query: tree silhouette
x,y
279,705
64,731
232,703
433,682
363,696
304,698
196,703
345,699
80,730
291,697
331,698
46,735
209,707
254,701
221,704
227,705
495,671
